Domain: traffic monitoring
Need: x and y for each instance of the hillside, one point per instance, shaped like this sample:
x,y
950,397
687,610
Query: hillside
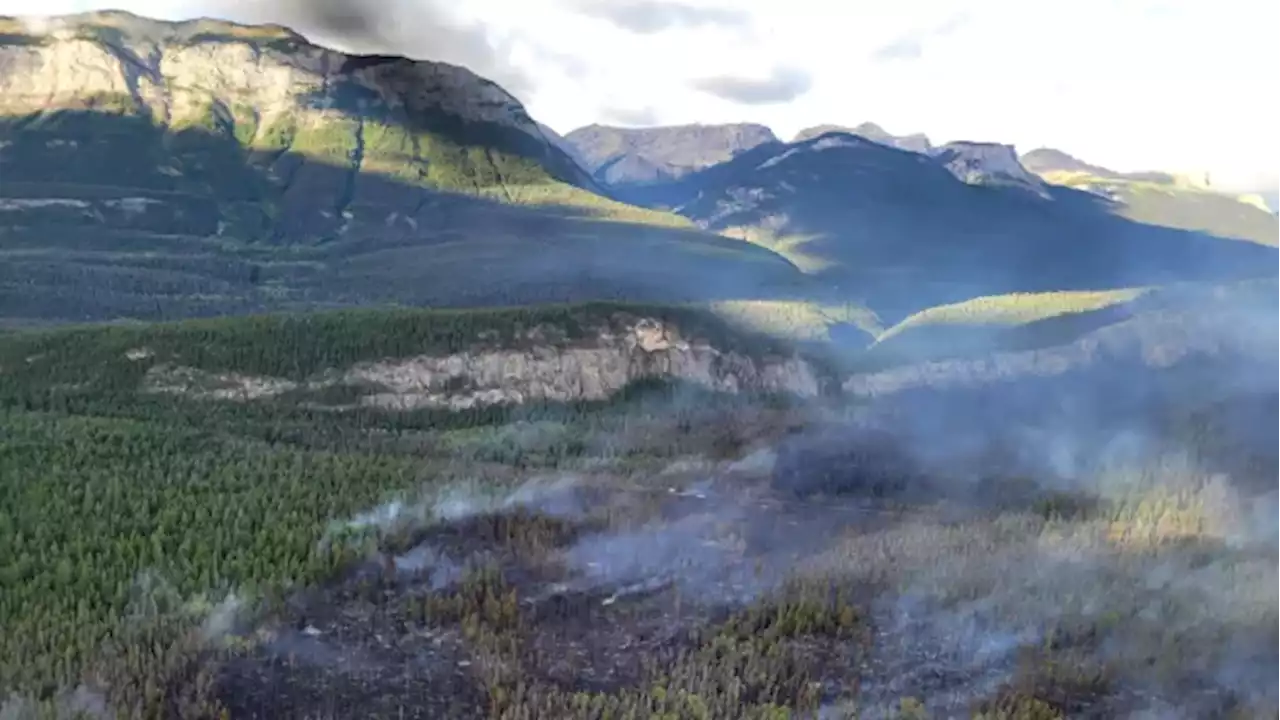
x,y
1042,161
850,212
980,327
637,156
1160,198
159,170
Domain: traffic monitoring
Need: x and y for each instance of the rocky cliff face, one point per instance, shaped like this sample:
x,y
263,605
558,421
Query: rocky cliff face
x,y
270,90
988,164
544,370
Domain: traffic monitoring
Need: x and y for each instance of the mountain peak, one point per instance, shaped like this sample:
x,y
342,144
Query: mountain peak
x,y
915,142
622,156
986,163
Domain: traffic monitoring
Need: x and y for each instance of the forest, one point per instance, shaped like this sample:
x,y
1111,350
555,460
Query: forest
x,y
172,556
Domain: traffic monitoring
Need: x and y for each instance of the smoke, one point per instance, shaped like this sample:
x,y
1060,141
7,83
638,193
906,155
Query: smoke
x,y
222,617
80,702
1064,523
554,495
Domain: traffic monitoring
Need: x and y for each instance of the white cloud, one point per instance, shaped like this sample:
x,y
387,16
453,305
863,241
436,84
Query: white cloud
x,y
1134,84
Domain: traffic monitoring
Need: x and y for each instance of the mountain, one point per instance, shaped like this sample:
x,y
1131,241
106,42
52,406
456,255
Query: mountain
x,y
734,492
901,231
1161,198
156,169
1042,161
636,156
987,164
915,142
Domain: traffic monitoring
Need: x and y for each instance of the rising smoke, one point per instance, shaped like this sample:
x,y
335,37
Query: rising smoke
x,y
1055,522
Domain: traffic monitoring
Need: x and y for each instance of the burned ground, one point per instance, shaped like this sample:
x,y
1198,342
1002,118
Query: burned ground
x,y
503,612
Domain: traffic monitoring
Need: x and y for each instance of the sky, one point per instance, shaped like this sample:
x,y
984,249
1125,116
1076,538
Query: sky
x,y
1177,85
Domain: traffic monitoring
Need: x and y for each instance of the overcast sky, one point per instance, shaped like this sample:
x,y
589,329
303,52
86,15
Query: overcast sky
x,y
1180,85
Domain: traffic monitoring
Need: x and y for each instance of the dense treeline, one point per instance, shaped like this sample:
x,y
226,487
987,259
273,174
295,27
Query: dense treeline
x,y
295,346
88,506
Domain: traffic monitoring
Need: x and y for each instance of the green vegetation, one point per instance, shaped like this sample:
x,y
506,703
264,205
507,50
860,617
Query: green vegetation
x,y
796,320
1180,205
297,346
164,223
106,488
1013,309
997,322
91,503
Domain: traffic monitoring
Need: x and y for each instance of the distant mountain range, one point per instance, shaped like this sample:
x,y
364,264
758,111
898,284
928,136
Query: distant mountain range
x,y
1047,160
159,169
916,142
624,156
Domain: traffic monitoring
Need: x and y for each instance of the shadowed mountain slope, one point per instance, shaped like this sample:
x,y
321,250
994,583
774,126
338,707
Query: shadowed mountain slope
x,y
1161,198
899,231
158,170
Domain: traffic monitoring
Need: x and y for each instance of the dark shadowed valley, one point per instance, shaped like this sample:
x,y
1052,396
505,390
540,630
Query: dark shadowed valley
x,y
339,386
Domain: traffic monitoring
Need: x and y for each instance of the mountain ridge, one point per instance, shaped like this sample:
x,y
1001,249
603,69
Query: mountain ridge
x,y
231,168
620,156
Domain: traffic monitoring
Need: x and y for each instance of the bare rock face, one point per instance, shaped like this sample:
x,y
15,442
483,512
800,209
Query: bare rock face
x,y
546,370
165,66
987,164
647,349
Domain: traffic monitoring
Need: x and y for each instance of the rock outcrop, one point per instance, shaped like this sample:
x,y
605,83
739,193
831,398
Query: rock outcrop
x,y
988,164
547,370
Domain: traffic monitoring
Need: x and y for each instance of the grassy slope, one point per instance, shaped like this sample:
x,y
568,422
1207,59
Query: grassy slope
x,y
994,323
1180,206
1022,321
